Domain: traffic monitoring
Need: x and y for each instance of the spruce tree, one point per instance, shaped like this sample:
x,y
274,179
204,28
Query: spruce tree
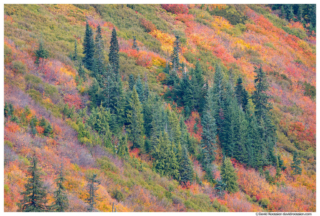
x,y
75,55
35,195
135,46
88,48
41,53
295,165
139,88
92,188
61,202
241,94
186,168
175,55
98,67
123,147
81,72
229,176
114,52
135,119
131,82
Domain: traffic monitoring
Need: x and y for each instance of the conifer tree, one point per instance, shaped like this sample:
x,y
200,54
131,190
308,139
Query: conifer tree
x,y
94,93
81,72
35,195
295,165
47,130
175,55
135,46
131,82
88,48
218,89
228,176
92,188
75,55
139,88
61,202
135,119
41,53
123,147
300,12
186,169
114,52
6,110
241,94
98,67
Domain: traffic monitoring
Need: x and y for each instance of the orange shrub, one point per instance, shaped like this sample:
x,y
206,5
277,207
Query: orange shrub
x,y
12,127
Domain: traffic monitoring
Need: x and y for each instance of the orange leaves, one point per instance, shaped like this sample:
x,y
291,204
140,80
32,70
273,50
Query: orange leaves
x,y
145,58
191,121
149,26
184,17
12,127
161,76
40,129
51,142
176,8
73,100
56,129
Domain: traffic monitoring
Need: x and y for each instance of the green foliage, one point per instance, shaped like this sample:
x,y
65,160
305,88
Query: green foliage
x,y
310,90
61,202
35,195
114,52
118,195
41,53
8,143
19,67
233,14
229,177
295,165
92,188
107,165
89,48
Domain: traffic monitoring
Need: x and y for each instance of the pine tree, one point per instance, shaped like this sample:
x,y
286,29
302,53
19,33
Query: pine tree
x,y
295,165
300,12
135,46
41,53
123,147
283,13
6,110
114,52
241,94
139,88
208,140
35,195
131,82
61,202
81,72
94,93
92,188
89,48
186,169
47,130
135,119
98,66
175,55
228,176
75,55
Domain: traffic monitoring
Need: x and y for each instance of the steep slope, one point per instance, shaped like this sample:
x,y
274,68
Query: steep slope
x,y
251,36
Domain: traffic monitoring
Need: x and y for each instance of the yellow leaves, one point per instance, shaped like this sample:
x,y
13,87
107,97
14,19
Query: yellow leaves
x,y
220,23
166,40
68,71
242,45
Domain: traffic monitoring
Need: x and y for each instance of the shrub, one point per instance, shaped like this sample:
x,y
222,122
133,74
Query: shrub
x,y
19,67
233,15
176,8
149,26
118,195
264,202
8,143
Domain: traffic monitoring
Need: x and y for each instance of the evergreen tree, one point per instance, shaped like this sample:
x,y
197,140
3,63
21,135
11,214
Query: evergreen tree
x,y
94,93
300,12
289,11
186,169
61,202
47,130
135,46
283,12
229,177
241,94
89,48
131,82
98,67
175,55
92,187
146,88
75,55
81,72
41,53
6,110
135,119
208,140
123,147
295,165
139,88
35,195
114,52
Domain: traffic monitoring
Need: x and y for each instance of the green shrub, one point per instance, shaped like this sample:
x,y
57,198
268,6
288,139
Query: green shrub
x,y
264,202
118,195
8,143
107,165
309,90
231,13
35,95
19,67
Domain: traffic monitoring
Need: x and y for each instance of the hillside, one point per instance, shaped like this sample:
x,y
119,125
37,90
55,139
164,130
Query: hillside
x,y
162,103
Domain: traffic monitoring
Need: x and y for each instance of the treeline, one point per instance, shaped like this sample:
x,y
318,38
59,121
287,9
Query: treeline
x,y
305,13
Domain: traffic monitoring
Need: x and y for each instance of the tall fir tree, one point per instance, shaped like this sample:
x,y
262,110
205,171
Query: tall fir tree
x,y
135,119
131,82
139,88
89,48
81,72
241,94
75,55
186,168
35,195
114,52
229,176
295,165
175,59
123,147
61,202
41,53
92,188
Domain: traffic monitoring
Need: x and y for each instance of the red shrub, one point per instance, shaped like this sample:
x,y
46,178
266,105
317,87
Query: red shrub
x,y
176,8
149,26
73,100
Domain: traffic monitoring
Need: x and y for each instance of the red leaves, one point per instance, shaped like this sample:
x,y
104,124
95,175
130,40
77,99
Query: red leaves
x,y
184,17
73,100
149,26
176,8
12,127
